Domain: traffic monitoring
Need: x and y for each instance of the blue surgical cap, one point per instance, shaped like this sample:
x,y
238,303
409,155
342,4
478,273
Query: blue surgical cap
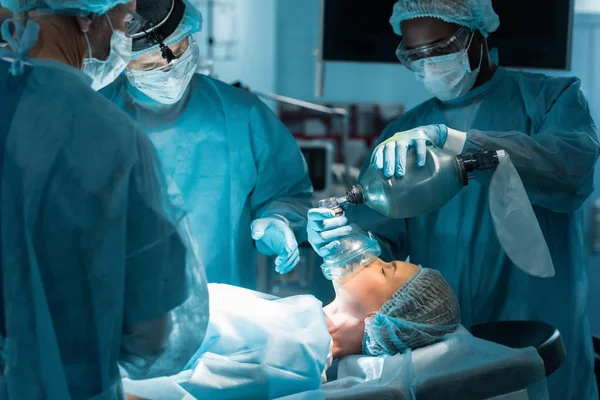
x,y
420,313
474,14
190,23
62,6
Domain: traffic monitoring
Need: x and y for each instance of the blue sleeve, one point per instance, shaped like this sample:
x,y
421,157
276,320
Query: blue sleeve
x,y
115,92
556,163
155,277
283,186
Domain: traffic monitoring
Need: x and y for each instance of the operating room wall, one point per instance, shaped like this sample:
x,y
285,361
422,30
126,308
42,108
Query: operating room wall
x,y
585,62
587,6
297,35
244,32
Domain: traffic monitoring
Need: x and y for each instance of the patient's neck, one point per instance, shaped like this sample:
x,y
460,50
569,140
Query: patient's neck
x,y
338,311
346,329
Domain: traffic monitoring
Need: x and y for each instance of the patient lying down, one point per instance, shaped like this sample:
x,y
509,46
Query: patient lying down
x,y
275,347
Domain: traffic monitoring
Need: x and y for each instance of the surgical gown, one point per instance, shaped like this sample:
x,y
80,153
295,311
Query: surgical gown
x,y
232,160
545,125
89,247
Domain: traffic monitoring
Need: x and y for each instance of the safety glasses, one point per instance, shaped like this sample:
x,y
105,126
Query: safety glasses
x,y
412,58
135,24
176,69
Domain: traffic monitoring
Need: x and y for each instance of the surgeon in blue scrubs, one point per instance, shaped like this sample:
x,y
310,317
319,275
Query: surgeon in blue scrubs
x,y
94,269
544,123
240,173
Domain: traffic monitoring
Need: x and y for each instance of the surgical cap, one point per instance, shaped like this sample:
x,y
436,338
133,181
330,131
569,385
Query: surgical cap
x,y
190,23
474,14
62,6
420,313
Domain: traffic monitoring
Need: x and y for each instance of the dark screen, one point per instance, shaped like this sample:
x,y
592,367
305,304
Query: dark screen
x,y
316,159
532,33
358,30
538,34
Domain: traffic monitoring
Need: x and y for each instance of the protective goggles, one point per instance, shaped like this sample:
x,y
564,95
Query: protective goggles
x,y
134,22
177,68
413,58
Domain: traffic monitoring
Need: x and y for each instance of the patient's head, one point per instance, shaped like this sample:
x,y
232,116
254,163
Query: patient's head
x,y
365,291
404,306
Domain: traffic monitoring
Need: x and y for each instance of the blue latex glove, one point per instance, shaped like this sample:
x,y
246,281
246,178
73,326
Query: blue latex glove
x,y
274,236
391,156
324,228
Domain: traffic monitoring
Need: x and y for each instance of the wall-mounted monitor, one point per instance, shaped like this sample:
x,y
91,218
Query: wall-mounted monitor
x,y
532,34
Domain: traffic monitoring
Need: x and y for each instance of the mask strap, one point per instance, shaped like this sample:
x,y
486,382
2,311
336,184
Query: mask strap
x,y
109,23
87,39
480,53
480,58
471,40
89,46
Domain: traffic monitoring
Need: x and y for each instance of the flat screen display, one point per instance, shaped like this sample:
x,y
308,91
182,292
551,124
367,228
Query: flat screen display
x,y
532,33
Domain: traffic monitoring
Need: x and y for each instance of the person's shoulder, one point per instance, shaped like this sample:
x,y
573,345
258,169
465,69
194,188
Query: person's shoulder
x,y
99,126
116,90
84,111
231,95
542,86
410,119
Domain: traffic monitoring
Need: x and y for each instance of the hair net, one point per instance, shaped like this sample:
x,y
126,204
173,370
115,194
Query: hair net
x,y
422,311
190,23
474,14
70,6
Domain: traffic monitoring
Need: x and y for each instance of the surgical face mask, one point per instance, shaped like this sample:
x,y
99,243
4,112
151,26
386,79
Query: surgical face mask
x,y
449,76
167,84
105,72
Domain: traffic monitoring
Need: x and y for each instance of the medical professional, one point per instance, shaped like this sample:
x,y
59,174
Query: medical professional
x,y
93,268
241,174
544,123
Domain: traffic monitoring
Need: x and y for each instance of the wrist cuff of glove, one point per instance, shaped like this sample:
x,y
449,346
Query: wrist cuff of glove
x,y
455,141
281,217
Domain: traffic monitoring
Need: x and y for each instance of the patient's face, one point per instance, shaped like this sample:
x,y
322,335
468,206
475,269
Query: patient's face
x,y
368,289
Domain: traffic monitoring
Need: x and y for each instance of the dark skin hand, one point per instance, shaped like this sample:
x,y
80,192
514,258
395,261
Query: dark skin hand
x,y
424,31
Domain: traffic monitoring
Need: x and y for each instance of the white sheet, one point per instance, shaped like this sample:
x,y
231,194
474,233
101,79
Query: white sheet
x,y
255,341
257,346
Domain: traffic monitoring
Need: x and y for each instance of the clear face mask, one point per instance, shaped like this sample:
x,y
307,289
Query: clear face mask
x,y
104,72
449,76
167,84
354,252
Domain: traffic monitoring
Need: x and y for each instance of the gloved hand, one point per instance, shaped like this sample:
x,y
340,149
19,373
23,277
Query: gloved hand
x,y
274,236
323,228
391,156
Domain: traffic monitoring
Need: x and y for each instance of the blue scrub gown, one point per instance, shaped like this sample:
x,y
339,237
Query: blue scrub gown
x,y
232,160
87,249
545,125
